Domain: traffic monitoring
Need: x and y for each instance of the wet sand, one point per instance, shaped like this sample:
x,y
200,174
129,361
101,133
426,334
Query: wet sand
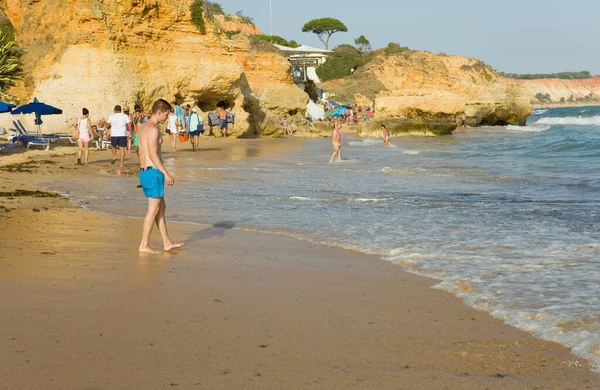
x,y
233,309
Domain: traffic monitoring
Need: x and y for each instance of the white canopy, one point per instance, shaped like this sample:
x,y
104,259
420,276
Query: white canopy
x,y
302,50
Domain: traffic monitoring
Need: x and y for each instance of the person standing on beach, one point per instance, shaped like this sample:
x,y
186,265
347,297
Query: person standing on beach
x,y
86,133
153,175
386,136
337,141
129,131
172,129
195,128
463,121
118,124
223,116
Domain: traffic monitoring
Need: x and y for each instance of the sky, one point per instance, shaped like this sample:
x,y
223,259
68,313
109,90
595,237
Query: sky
x,y
514,36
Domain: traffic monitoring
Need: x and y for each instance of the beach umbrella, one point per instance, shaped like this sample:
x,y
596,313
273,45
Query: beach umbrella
x,y
330,112
6,107
38,108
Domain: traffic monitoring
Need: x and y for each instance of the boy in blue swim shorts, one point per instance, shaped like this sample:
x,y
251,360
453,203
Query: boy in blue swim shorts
x,y
153,175
153,182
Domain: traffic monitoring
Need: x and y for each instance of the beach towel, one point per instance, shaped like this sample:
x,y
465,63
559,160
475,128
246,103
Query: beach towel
x,y
213,119
180,114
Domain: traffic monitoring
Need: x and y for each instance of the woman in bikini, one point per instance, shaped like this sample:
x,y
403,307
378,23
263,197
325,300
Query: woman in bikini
x,y
386,136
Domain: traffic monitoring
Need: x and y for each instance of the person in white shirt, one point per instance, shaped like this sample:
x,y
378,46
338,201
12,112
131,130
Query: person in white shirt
x,y
172,128
118,124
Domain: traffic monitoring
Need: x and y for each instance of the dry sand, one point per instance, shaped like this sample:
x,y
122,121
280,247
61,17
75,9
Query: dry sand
x,y
81,309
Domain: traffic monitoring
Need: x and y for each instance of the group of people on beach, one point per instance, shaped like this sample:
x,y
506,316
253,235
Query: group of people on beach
x,y
122,129
352,115
140,130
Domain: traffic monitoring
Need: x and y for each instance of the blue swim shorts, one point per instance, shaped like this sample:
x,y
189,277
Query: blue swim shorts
x,y
223,123
153,183
195,133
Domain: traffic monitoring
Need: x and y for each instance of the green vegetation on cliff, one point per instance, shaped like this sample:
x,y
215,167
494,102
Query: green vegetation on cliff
x,y
197,11
341,63
201,9
277,40
10,65
562,75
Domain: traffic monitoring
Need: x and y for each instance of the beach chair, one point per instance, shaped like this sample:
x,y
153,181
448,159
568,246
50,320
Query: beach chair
x,y
22,130
29,140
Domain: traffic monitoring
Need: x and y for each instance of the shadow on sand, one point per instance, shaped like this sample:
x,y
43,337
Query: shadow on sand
x,y
218,229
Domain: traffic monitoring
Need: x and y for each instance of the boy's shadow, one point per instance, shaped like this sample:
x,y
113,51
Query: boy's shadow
x,y
218,229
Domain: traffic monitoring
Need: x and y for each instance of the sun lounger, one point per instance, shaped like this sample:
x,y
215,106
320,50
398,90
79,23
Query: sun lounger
x,y
6,146
30,140
48,137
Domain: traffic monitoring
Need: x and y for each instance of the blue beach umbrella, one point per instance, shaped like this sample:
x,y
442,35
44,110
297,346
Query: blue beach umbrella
x,y
6,107
38,108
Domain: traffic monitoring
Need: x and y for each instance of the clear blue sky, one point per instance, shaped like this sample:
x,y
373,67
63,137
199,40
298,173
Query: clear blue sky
x,y
520,36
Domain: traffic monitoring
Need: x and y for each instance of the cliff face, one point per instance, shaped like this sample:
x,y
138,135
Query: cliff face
x,y
425,94
556,91
98,53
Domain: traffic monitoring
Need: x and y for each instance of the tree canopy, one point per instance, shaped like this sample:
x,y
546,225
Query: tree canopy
x,y
363,44
277,40
340,63
324,28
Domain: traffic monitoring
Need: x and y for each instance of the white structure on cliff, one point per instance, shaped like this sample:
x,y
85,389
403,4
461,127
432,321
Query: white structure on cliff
x,y
304,61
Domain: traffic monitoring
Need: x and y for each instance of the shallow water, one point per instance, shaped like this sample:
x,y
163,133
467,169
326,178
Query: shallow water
x,y
506,218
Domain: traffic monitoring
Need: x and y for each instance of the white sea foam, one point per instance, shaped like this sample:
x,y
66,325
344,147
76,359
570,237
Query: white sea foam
x,y
366,142
539,111
411,152
589,121
528,129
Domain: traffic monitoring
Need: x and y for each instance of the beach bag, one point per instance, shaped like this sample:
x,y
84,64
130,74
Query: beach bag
x,y
183,137
75,135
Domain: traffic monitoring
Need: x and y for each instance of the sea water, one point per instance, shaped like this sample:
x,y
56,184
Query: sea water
x,y
506,218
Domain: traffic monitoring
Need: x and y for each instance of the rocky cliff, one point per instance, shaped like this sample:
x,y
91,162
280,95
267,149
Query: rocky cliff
x,y
98,53
558,91
426,94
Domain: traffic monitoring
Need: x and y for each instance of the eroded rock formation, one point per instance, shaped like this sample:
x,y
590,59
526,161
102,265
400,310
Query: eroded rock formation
x,y
98,53
557,91
426,94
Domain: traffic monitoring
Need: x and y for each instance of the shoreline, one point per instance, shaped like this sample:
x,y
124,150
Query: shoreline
x,y
238,303
570,105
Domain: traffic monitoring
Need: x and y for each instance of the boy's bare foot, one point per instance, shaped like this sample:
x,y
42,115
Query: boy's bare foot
x,y
149,250
173,245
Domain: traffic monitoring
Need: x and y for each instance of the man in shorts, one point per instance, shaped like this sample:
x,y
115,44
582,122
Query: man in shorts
x,y
152,178
195,128
223,116
119,124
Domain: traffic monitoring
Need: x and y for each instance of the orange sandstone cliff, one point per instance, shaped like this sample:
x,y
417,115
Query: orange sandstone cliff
x,y
558,91
426,94
99,53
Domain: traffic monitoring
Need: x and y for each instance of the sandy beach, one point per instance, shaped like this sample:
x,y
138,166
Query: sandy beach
x,y
233,309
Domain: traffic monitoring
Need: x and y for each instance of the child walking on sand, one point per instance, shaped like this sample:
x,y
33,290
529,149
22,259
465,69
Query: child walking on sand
x,y
337,141
386,136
